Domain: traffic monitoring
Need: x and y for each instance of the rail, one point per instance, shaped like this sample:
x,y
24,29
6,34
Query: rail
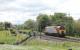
x,y
61,39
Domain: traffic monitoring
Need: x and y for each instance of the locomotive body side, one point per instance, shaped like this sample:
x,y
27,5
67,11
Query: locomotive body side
x,y
55,31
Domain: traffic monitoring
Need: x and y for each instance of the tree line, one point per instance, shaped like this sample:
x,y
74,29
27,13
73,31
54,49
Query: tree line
x,y
72,26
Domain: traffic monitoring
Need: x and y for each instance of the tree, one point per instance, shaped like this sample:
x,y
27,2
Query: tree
x,y
2,27
7,25
29,24
77,26
69,25
63,19
58,18
19,27
43,21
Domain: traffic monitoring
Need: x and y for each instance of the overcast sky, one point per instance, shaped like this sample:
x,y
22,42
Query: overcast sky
x,y
18,11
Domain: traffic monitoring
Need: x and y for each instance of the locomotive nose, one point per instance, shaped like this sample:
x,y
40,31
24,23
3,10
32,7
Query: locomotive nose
x,y
62,33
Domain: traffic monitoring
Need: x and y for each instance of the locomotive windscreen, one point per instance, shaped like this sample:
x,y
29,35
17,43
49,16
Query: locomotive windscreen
x,y
62,27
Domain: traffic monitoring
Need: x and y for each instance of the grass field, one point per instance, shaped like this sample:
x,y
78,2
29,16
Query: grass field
x,y
6,37
37,44
34,44
52,45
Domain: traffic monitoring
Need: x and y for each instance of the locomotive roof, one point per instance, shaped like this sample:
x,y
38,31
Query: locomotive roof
x,y
52,27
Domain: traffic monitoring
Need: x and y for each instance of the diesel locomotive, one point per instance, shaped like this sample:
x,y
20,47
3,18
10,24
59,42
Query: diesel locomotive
x,y
59,31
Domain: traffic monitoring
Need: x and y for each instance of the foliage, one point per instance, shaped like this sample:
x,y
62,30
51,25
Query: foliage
x,y
43,21
56,19
7,25
20,26
2,26
30,24
77,28
63,19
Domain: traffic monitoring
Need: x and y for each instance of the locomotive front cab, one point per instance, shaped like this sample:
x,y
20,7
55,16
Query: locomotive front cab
x,y
62,31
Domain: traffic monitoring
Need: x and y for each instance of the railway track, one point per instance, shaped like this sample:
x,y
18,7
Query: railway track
x,y
60,39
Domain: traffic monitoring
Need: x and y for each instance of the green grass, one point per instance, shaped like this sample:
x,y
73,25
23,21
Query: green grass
x,y
77,35
37,44
6,37
52,45
34,44
26,30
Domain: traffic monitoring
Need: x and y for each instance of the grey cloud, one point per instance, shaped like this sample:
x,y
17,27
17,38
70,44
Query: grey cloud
x,y
32,8
5,1
36,6
26,9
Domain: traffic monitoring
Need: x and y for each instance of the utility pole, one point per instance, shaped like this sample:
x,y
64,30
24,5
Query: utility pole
x,y
40,31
